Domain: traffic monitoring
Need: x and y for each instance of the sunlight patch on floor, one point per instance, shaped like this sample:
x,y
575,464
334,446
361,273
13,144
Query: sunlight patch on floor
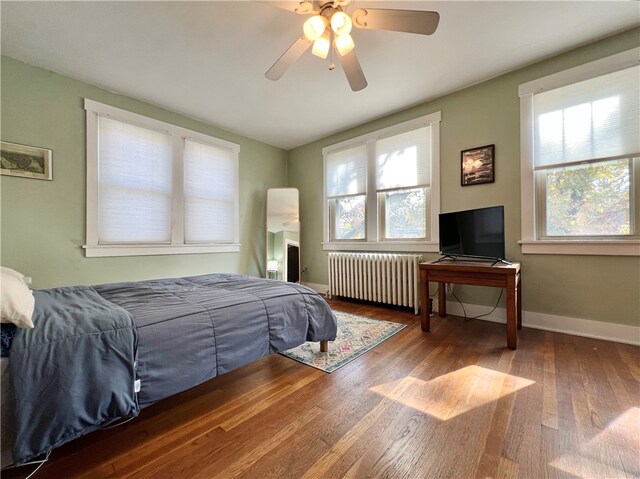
x,y
454,393
606,453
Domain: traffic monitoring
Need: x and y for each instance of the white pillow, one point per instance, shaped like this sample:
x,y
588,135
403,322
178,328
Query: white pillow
x,y
16,300
13,272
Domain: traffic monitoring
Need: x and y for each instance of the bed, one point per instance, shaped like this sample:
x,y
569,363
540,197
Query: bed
x,y
99,354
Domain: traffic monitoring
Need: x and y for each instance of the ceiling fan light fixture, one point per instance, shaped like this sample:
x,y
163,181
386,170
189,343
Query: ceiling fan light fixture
x,y
344,44
329,29
314,27
321,46
341,23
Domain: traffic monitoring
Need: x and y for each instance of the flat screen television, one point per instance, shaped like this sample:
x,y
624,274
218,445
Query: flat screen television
x,y
477,233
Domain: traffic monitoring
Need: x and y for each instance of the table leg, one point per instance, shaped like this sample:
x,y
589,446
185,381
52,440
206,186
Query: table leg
x,y
519,300
512,331
442,299
425,320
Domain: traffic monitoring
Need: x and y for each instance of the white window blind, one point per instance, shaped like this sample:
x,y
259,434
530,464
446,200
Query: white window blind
x,y
403,160
135,178
154,188
210,181
592,119
346,172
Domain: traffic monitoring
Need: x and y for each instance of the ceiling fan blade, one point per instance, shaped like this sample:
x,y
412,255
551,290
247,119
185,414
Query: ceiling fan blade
x,y
353,70
409,21
294,52
299,7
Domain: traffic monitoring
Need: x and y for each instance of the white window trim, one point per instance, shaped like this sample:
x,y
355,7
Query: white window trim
x,y
178,246
530,243
432,120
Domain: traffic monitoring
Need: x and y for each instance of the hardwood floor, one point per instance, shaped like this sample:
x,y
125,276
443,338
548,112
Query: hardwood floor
x,y
453,403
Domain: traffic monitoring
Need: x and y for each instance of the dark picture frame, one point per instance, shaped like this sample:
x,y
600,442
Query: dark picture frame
x,y
477,165
26,161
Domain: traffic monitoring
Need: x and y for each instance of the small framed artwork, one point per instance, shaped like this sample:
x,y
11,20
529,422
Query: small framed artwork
x,y
25,161
477,165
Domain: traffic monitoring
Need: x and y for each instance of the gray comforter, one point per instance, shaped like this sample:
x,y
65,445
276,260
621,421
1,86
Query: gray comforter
x,y
72,373
75,371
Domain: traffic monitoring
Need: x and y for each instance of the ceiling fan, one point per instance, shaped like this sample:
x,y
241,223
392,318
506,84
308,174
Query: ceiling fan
x,y
329,29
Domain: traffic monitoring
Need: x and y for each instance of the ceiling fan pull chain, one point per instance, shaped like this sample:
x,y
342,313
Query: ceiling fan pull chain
x,y
332,66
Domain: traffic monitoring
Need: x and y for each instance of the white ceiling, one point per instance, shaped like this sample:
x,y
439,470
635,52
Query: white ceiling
x,y
207,60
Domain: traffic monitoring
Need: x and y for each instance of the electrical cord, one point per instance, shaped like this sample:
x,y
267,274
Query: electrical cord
x,y
494,308
480,315
118,424
40,464
461,305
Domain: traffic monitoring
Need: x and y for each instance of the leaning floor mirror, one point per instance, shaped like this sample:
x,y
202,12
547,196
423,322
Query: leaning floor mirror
x,y
283,234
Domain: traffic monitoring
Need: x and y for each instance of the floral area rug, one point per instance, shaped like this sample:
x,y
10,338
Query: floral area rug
x,y
356,335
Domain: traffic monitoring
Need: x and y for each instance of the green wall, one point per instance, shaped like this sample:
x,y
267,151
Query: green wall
x,y
603,288
43,222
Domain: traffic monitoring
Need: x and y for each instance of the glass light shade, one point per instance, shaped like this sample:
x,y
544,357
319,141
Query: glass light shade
x,y
272,265
314,27
344,44
341,23
321,46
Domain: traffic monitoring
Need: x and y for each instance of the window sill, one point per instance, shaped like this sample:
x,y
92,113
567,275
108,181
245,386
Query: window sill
x,y
581,247
100,251
395,246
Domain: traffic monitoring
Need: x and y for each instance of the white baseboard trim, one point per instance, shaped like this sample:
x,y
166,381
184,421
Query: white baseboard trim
x,y
322,289
620,333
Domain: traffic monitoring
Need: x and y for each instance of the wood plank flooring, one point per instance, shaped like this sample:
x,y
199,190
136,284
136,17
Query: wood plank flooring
x,y
453,403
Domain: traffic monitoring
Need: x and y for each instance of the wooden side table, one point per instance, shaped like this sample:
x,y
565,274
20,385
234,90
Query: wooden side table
x,y
475,274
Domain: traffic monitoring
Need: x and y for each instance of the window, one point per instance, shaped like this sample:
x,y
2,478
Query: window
x,y
382,189
586,200
402,182
346,185
154,188
210,193
580,159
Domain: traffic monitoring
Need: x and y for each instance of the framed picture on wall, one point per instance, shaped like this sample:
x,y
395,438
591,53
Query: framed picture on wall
x,y
477,165
25,161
